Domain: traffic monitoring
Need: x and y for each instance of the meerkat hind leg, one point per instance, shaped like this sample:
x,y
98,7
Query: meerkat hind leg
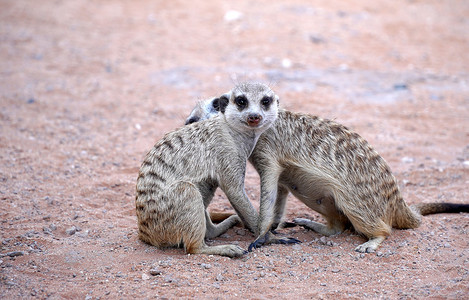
x,y
218,229
191,222
371,245
280,202
317,227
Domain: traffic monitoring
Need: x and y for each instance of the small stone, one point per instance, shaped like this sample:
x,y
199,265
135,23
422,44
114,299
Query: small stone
x,y
286,63
335,270
206,266
232,15
219,277
155,272
406,159
316,39
323,240
379,253
400,86
15,253
71,231
145,276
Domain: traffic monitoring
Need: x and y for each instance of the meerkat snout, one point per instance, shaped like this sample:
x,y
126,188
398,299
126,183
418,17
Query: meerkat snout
x,y
254,119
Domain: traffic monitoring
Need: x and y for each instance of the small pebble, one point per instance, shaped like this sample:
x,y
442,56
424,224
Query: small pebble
x,y
232,15
406,159
286,63
71,231
155,272
219,277
15,253
323,240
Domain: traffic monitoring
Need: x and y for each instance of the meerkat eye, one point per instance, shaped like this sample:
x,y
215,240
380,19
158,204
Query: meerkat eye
x,y
241,101
266,101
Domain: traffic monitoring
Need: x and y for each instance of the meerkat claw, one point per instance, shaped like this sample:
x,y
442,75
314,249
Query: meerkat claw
x,y
259,242
254,245
285,241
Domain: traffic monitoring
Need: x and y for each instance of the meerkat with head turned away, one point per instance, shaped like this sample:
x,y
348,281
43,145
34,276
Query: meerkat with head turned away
x,y
180,174
333,171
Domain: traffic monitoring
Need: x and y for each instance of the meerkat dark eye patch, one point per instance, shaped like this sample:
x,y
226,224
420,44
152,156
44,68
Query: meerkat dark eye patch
x,y
266,101
223,103
192,120
241,101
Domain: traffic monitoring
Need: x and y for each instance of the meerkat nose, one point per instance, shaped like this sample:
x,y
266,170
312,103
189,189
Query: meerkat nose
x,y
254,119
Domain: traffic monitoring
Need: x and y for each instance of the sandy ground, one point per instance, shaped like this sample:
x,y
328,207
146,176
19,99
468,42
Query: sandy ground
x,y
87,87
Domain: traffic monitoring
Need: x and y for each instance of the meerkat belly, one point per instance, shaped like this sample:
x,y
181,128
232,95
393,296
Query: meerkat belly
x,y
312,190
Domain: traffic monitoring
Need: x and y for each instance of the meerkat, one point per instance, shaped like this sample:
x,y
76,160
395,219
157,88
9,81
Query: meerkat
x,y
180,174
335,172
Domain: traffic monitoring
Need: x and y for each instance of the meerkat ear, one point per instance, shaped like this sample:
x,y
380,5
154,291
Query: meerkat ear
x,y
216,104
223,102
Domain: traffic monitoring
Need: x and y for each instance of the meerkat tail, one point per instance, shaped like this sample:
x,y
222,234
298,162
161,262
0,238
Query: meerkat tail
x,y
439,208
218,217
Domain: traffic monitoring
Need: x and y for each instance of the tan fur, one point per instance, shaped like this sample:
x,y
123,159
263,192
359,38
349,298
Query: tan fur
x,y
219,216
179,176
333,171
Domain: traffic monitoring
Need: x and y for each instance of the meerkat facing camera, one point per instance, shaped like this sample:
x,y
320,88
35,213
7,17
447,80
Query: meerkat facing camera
x,y
333,171
180,174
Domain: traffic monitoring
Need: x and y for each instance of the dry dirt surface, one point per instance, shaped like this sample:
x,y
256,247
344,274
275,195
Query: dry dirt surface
x,y
87,88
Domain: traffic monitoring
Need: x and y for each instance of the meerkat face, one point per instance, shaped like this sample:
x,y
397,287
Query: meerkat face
x,y
249,105
204,110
